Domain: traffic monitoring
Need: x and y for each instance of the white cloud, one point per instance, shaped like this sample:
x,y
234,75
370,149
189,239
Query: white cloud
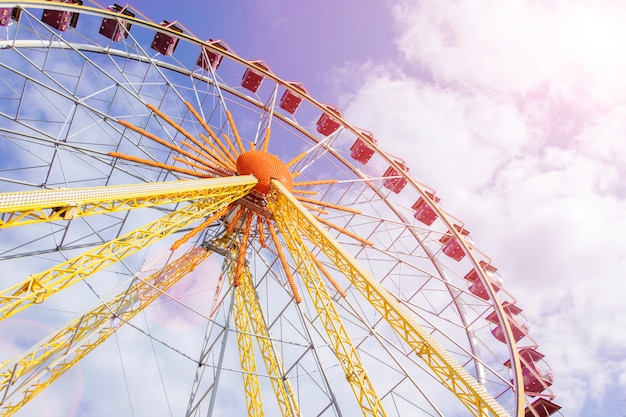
x,y
605,141
521,131
516,46
440,130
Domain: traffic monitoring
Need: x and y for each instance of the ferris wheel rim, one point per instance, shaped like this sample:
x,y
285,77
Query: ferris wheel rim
x,y
388,158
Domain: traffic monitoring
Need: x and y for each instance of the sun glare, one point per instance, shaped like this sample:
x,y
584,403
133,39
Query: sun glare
x,y
588,43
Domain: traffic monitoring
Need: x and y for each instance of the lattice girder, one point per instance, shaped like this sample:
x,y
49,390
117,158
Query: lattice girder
x,y
340,341
37,287
282,388
449,372
252,387
40,366
37,206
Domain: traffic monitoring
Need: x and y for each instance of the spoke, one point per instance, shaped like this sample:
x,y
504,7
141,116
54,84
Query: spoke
x,y
26,207
86,108
247,358
43,364
36,288
339,339
450,373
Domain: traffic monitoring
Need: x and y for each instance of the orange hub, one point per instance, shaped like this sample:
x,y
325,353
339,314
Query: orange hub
x,y
265,167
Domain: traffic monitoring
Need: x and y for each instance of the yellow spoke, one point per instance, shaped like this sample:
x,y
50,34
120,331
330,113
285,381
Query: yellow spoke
x,y
311,207
329,205
44,363
156,164
296,160
163,142
284,263
25,207
325,272
193,232
202,167
303,192
183,132
231,157
230,146
235,132
318,182
344,231
247,358
211,133
39,286
226,160
281,385
261,229
340,341
266,139
449,372
241,257
235,220
215,164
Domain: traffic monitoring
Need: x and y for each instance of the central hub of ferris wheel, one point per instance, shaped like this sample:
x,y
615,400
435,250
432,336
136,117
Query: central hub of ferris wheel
x,y
265,167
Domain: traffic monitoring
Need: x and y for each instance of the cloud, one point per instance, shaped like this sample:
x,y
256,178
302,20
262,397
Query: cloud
x,y
604,141
519,126
440,129
517,45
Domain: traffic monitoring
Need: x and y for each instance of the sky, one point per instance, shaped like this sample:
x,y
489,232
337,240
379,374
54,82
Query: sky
x,y
513,111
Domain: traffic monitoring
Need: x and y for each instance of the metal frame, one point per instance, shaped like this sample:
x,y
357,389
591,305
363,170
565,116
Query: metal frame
x,y
460,310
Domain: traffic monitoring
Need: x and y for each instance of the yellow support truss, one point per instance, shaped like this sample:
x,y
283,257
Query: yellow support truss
x,y
340,341
24,377
282,388
449,372
247,357
39,286
27,207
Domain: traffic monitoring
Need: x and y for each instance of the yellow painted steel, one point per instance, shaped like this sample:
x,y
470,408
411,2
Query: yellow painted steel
x,y
340,341
23,378
37,287
26,207
449,372
281,385
249,373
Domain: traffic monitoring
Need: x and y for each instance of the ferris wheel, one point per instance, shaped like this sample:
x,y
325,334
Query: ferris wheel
x,y
183,232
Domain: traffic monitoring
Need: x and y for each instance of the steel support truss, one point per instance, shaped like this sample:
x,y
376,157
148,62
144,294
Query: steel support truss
x,y
449,372
27,207
23,378
247,357
36,288
250,324
340,341
252,309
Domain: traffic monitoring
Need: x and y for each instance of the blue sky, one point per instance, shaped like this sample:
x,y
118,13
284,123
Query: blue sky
x,y
513,112
299,40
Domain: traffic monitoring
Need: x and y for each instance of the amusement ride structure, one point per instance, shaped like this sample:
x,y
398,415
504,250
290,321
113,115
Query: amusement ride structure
x,y
134,153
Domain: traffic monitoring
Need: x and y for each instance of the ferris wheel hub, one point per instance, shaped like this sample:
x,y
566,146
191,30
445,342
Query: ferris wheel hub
x,y
265,167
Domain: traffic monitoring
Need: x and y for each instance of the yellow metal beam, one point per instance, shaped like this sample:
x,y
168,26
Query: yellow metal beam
x,y
340,341
282,388
26,207
36,288
449,372
23,378
247,357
